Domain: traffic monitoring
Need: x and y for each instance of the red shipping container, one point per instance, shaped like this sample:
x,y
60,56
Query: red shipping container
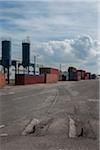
x,y
54,71
51,78
22,79
72,74
2,80
87,75
78,76
82,74
48,71
34,79
72,69
19,79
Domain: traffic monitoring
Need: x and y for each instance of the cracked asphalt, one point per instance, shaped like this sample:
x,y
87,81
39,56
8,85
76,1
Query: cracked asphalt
x,y
19,104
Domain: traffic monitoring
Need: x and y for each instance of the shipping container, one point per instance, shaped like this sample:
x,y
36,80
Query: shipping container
x,y
83,73
78,76
23,79
2,80
46,70
51,78
87,76
72,74
72,69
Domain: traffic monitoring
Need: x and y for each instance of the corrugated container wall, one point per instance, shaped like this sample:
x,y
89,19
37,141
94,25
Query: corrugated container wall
x,y
2,80
78,75
88,75
72,72
48,71
51,78
23,79
83,75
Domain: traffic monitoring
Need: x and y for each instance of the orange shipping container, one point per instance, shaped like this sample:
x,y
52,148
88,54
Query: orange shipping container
x,y
2,80
51,78
47,70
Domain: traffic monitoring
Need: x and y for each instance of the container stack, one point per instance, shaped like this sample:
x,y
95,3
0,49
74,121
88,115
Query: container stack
x,y
88,76
46,70
72,74
47,75
83,74
76,75
51,74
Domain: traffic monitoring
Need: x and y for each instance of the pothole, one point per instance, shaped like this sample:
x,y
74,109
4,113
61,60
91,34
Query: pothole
x,y
80,128
72,126
37,127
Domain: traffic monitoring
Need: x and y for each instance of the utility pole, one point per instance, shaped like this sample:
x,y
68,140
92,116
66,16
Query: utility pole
x,y
34,64
60,68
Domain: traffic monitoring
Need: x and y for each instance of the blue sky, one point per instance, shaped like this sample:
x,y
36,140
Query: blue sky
x,y
60,31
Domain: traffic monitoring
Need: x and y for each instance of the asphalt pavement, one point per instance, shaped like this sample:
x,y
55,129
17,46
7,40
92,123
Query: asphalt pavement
x,y
20,104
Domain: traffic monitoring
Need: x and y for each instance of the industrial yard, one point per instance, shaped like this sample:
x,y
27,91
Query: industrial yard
x,y
49,75
47,110
51,105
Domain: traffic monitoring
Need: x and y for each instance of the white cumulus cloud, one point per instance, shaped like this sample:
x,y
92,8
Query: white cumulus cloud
x,y
81,51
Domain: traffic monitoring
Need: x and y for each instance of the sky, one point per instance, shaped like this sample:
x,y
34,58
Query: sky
x,y
60,32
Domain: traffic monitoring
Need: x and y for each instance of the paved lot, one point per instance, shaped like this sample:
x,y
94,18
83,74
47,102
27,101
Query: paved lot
x,y
19,104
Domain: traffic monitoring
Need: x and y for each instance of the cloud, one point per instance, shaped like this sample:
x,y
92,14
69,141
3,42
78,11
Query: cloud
x,y
82,46
53,27
43,20
81,52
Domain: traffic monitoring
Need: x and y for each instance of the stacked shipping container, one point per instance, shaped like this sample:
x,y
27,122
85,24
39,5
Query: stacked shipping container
x,y
88,76
72,74
47,70
83,73
76,75
47,75
51,74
